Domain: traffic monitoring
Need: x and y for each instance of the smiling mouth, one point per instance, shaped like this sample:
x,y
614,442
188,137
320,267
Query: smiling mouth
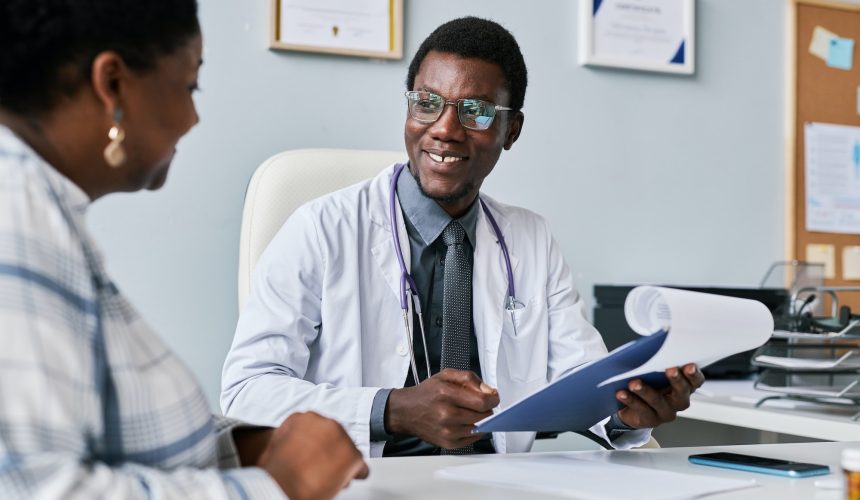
x,y
444,159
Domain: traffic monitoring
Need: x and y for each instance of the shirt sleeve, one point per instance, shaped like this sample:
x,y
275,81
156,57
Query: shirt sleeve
x,y
377,416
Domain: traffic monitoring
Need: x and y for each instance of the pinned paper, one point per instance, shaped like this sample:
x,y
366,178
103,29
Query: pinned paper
x,y
851,263
820,44
841,53
824,254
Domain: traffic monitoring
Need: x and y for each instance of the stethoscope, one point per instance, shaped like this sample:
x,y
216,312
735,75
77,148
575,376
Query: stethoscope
x,y
407,284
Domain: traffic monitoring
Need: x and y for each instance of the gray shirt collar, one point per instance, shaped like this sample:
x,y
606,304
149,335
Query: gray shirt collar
x,y
426,215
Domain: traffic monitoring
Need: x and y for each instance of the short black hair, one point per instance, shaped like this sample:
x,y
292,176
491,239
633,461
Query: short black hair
x,y
482,39
47,47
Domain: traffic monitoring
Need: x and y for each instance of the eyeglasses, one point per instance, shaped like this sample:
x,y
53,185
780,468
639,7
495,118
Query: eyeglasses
x,y
474,114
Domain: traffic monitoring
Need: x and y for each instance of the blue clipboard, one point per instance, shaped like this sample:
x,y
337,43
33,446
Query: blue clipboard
x,y
574,402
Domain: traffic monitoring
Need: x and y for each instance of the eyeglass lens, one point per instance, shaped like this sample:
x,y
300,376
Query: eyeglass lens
x,y
474,114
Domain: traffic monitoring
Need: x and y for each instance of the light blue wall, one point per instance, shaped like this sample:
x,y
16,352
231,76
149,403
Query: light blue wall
x,y
643,177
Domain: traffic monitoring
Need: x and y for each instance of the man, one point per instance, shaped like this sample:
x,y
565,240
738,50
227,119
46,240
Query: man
x,y
322,329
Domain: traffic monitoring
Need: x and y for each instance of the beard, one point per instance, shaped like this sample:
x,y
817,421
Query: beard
x,y
443,198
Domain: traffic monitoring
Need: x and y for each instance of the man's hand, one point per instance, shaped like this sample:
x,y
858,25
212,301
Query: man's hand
x,y
649,407
443,409
311,457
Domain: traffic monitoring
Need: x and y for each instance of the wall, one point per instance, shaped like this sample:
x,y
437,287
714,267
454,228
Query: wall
x,y
643,177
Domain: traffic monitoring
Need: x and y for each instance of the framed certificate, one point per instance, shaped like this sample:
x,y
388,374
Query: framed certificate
x,y
649,35
366,28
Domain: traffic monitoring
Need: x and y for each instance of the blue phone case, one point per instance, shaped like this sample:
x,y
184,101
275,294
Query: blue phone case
x,y
821,471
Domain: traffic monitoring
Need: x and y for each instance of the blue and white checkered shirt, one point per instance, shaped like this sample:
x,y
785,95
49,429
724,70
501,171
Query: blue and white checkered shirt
x,y
92,403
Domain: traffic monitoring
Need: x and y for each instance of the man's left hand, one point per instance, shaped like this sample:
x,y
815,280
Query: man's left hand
x,y
646,406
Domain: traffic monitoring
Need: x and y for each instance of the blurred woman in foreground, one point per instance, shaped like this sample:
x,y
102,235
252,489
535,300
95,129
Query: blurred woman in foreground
x,y
94,96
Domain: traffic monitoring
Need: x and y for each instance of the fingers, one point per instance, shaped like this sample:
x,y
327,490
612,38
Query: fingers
x,y
649,407
466,390
363,470
694,375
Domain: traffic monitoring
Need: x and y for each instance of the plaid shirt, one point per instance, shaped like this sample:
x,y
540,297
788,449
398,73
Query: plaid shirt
x,y
92,403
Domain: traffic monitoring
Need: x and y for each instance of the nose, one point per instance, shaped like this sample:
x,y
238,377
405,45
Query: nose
x,y
448,127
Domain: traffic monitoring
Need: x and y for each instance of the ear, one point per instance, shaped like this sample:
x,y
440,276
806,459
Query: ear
x,y
514,129
108,76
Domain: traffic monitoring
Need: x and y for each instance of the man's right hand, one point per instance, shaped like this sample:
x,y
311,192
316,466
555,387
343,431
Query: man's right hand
x,y
443,409
310,456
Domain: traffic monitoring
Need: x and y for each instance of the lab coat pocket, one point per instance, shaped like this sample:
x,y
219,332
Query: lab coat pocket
x,y
524,350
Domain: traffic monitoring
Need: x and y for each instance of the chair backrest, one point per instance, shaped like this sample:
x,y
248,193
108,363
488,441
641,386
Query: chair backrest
x,y
286,181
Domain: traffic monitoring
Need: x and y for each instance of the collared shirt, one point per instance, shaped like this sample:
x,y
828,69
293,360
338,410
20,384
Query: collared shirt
x,y
425,220
92,403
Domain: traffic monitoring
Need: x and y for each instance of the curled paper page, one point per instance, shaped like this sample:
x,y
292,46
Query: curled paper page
x,y
702,328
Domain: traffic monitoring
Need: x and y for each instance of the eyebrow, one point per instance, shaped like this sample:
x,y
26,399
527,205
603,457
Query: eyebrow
x,y
482,97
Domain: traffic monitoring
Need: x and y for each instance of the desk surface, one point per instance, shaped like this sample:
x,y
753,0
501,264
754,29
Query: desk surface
x,y
733,403
413,477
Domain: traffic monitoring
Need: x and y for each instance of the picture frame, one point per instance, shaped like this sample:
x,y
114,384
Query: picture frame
x,y
646,35
362,28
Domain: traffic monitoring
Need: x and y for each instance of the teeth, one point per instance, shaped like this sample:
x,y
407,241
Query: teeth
x,y
444,159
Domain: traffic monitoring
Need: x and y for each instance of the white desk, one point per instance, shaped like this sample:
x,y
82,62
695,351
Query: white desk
x,y
413,477
733,403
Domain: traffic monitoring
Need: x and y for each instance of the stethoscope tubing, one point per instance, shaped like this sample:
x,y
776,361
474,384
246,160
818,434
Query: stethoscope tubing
x,y
408,283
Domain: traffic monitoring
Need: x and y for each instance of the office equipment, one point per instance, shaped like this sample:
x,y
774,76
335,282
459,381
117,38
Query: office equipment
x,y
609,320
763,465
817,92
691,326
415,478
287,180
736,403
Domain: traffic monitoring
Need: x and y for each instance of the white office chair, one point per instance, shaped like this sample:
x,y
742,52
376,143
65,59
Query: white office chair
x,y
286,181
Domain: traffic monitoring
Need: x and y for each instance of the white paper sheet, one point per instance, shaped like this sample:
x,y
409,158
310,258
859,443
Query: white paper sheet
x,y
586,479
703,328
832,178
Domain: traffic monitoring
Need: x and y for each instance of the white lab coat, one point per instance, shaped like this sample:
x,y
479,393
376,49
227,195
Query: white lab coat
x,y
322,329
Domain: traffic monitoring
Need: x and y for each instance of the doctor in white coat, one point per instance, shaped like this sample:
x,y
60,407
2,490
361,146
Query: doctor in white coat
x,y
323,329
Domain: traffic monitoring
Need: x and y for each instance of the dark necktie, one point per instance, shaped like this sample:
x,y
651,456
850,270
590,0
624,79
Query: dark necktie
x,y
456,309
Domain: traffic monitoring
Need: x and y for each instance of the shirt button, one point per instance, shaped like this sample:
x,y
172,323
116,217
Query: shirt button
x,y
439,321
401,349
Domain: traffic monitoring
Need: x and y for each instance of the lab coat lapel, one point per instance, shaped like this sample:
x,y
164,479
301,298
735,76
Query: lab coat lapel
x,y
489,291
383,245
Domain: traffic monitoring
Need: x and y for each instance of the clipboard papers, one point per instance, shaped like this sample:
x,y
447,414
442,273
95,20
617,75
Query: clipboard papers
x,y
678,327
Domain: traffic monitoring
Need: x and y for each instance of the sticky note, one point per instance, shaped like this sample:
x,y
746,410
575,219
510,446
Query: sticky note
x,y
841,53
851,263
820,44
824,254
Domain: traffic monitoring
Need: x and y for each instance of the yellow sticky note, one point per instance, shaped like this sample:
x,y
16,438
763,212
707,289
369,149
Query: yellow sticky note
x,y
824,254
851,263
820,44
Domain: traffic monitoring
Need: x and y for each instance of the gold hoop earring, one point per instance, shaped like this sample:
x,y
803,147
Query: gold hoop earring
x,y
114,152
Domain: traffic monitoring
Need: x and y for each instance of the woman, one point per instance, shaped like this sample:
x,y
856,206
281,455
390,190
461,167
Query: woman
x,y
94,97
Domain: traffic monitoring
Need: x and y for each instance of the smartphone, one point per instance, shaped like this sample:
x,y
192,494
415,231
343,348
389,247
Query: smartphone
x,y
763,465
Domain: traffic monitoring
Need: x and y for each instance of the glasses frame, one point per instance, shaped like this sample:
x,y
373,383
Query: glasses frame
x,y
457,104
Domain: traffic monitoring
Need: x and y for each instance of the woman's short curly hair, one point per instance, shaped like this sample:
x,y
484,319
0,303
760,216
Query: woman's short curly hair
x,y
47,46
483,39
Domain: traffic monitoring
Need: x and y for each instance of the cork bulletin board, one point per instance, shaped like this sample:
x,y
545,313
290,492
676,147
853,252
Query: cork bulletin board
x,y
823,93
